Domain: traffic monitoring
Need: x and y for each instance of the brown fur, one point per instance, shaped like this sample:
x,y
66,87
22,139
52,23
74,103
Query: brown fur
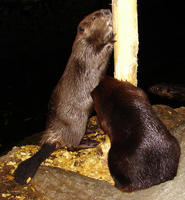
x,y
174,92
143,153
71,102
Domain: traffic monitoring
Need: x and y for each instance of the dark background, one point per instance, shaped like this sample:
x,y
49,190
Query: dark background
x,y
36,37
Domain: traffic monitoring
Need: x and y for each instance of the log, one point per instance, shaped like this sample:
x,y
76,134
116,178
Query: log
x,y
125,26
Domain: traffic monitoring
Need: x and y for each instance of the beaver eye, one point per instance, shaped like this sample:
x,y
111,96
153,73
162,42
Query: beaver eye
x,y
80,29
94,18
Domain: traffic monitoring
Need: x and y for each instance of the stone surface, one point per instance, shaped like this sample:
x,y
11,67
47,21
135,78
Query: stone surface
x,y
56,183
59,184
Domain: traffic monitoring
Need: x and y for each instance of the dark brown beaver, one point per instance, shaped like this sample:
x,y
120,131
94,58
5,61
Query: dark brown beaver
x,y
143,153
171,91
71,102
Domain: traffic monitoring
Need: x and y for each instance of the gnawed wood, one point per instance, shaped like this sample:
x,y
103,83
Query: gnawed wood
x,y
125,26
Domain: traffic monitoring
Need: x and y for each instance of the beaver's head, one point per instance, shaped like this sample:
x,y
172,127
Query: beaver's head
x,y
96,29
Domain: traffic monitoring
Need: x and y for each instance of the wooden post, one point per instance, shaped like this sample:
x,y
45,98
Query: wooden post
x,y
126,35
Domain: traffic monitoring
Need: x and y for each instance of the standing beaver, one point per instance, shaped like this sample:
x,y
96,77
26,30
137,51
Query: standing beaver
x,y
143,153
71,102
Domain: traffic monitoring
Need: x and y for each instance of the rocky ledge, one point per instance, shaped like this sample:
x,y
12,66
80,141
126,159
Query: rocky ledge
x,y
84,174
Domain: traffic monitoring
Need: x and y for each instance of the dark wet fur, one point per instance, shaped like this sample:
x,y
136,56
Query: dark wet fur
x,y
143,153
71,102
170,91
30,166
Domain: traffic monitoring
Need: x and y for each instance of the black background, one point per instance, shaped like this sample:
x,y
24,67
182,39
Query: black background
x,y
36,37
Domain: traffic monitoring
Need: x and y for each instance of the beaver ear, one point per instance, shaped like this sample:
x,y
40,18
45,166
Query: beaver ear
x,y
80,29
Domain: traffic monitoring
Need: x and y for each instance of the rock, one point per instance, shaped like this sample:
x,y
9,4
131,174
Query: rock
x,y
169,116
56,183
59,184
180,110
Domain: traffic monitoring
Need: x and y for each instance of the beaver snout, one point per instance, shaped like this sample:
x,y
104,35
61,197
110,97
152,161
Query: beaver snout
x,y
106,12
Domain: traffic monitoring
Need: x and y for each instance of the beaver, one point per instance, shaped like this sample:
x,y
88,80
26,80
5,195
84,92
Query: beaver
x,y
143,152
170,91
71,102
